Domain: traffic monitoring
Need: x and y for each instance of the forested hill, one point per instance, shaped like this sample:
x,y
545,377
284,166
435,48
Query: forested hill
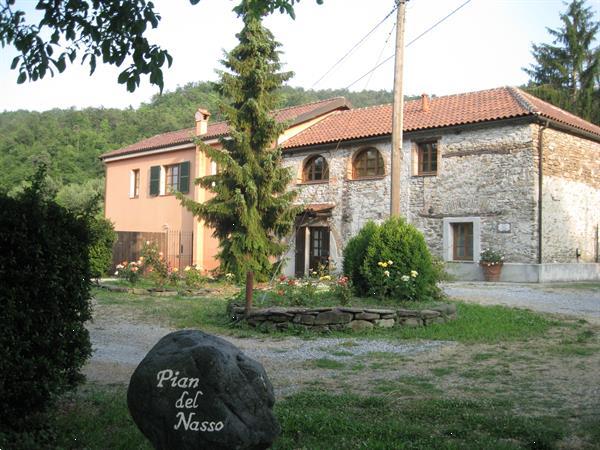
x,y
71,140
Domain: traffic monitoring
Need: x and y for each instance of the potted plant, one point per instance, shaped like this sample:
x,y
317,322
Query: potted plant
x,y
491,262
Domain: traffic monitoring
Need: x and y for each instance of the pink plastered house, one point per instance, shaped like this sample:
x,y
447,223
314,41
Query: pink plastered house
x,y
141,180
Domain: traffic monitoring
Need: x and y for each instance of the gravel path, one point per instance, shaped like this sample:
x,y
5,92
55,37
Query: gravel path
x,y
550,298
119,346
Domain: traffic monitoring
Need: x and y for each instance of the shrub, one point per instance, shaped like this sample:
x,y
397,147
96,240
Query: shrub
x,y
342,290
103,237
193,277
130,271
397,263
354,257
44,303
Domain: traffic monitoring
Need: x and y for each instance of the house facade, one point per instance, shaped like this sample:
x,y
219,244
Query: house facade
x,y
141,180
490,169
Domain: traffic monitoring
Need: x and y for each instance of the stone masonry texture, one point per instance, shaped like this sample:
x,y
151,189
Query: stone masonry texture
x,y
489,172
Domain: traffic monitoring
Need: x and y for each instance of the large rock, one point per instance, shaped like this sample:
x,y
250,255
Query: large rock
x,y
197,391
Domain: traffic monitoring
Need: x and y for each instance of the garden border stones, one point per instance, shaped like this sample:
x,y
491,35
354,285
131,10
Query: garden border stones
x,y
340,317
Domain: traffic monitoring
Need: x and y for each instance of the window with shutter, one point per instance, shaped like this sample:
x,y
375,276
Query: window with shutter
x,y
154,180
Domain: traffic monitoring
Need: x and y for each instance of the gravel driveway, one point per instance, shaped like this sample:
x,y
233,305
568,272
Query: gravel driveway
x,y
120,344
561,299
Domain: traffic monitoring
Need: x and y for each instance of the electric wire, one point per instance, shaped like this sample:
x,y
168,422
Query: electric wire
x,y
407,45
380,54
355,46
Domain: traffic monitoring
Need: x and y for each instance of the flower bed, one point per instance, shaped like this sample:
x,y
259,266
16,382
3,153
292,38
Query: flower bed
x,y
341,318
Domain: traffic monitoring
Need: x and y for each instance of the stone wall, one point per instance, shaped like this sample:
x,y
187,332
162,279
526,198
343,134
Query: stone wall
x,y
570,197
341,318
487,174
356,201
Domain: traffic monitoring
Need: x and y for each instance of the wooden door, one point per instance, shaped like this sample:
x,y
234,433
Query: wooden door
x,y
300,251
319,247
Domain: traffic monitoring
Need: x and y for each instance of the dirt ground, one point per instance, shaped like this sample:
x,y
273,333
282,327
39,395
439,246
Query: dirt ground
x,y
559,371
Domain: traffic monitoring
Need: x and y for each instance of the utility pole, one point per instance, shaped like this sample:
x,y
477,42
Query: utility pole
x,y
398,112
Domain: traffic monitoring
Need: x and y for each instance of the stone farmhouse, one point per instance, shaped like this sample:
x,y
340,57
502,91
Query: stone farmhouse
x,y
491,169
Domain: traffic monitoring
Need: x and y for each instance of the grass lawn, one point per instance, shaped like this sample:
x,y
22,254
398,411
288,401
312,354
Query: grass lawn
x,y
475,323
505,379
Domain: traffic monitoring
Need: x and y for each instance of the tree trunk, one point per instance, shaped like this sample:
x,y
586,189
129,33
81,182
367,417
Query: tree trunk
x,y
249,290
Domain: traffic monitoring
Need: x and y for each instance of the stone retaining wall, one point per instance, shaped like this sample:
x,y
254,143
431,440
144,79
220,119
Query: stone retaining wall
x,y
339,318
156,291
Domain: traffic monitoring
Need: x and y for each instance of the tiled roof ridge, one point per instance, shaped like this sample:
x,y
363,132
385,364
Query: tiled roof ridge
x,y
517,94
551,106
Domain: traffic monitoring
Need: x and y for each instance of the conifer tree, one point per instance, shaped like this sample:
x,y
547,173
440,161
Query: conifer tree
x,y
251,209
567,74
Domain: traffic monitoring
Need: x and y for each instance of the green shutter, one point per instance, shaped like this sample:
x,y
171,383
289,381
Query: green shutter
x,y
154,180
184,177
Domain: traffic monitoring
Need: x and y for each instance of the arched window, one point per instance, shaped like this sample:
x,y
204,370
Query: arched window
x,y
315,169
368,163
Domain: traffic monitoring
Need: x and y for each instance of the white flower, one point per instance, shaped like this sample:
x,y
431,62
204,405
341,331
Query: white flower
x,y
405,278
386,273
414,273
390,262
117,273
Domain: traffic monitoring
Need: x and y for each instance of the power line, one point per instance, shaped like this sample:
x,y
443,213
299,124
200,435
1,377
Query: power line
x,y
407,45
381,54
354,47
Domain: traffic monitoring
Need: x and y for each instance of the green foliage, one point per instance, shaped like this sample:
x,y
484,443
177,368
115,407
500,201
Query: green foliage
x,y
354,257
86,201
251,209
107,31
193,277
44,303
71,140
567,74
103,236
392,261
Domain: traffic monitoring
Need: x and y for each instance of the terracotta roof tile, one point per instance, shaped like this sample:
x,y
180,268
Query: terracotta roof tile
x,y
549,111
296,114
460,109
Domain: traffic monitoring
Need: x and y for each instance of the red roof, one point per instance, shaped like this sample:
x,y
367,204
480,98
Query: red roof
x,y
294,114
460,109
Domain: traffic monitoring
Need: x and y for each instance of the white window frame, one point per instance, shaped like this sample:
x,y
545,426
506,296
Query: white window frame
x,y
448,237
132,182
163,180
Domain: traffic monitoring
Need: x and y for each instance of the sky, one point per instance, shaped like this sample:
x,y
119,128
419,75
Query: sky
x,y
483,45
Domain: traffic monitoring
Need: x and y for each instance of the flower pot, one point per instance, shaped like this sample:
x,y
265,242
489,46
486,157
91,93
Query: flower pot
x,y
491,272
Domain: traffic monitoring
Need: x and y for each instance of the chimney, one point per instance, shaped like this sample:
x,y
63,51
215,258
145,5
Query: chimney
x,y
425,102
201,117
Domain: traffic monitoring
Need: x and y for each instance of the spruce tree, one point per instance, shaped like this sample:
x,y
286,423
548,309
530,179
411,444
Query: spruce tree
x,y
567,74
251,210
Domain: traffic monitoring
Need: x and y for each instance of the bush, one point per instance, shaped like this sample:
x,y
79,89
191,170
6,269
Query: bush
x,y
44,303
396,262
354,257
103,237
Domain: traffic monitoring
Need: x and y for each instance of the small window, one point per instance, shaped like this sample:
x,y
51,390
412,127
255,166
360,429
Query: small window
x,y
427,158
462,241
368,163
316,169
172,178
134,183
177,178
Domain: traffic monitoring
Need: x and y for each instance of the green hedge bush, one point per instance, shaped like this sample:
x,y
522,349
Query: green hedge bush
x,y
392,260
103,237
44,303
354,257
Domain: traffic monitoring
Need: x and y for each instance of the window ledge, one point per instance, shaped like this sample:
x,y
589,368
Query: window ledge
x,y
371,178
300,183
433,174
